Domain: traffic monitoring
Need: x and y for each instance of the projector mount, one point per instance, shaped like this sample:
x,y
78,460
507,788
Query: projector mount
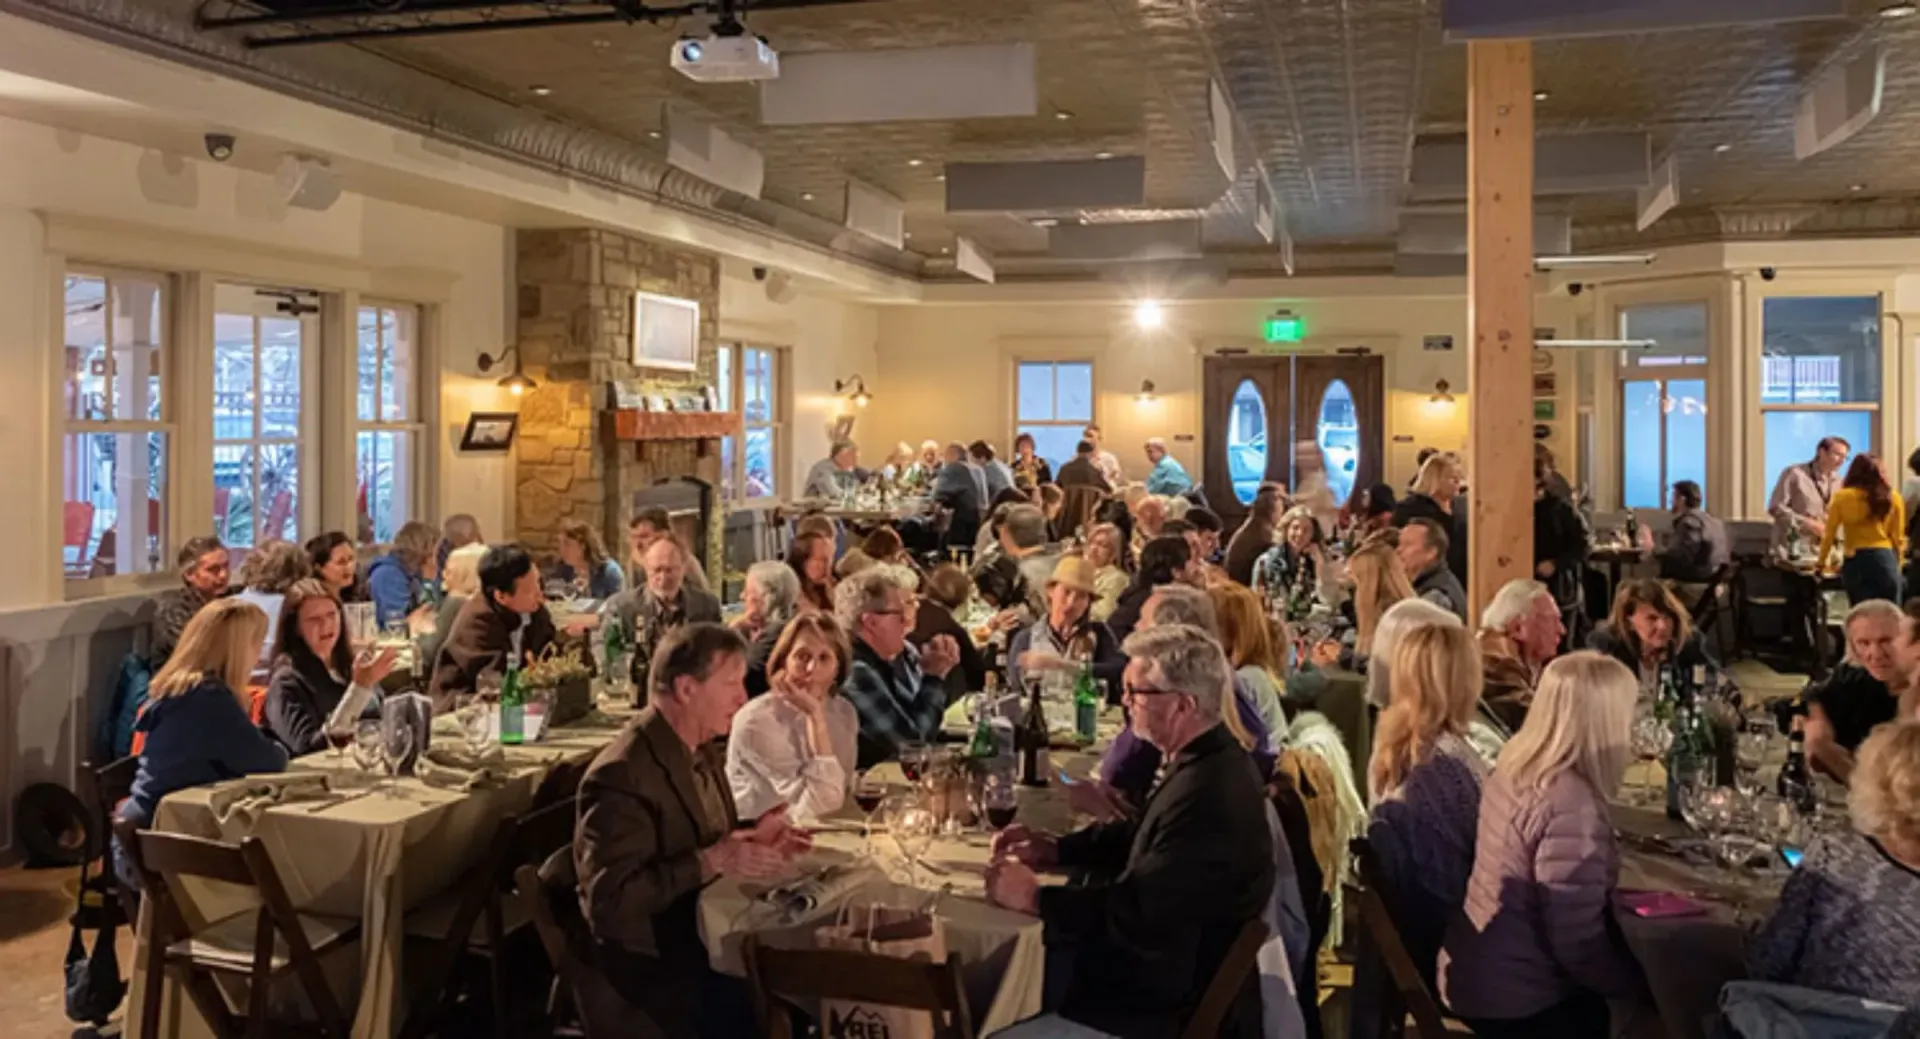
x,y
296,23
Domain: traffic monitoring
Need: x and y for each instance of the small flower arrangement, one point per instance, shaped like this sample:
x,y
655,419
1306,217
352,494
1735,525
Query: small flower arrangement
x,y
555,668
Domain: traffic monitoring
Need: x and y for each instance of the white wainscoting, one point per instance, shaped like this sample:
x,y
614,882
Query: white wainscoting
x,y
58,665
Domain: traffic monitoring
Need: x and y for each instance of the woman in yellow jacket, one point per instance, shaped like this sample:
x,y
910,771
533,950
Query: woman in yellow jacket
x,y
1873,521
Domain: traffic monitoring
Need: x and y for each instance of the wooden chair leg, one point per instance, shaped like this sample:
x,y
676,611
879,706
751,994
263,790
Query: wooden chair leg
x,y
156,983
497,966
260,985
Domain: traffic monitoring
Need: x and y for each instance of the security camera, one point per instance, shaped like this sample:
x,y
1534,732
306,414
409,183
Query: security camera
x,y
759,274
1574,288
219,146
1768,274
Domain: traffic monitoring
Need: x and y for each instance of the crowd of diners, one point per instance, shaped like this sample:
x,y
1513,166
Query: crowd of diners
x,y
1494,758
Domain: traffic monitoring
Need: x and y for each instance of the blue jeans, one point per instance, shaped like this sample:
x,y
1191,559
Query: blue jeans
x,y
1871,573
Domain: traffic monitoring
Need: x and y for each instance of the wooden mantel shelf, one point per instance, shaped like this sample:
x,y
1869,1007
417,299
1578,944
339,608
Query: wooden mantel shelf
x,y
675,425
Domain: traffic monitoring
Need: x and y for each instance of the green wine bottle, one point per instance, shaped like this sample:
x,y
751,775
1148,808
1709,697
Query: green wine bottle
x,y
1086,704
513,707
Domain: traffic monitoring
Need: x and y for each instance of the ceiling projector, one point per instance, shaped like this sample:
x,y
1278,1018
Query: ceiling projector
x,y
726,59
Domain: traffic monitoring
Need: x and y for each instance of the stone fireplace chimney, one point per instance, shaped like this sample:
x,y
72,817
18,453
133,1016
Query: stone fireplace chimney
x,y
579,459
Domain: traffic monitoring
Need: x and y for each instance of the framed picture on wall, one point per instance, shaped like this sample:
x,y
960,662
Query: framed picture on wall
x,y
489,431
666,332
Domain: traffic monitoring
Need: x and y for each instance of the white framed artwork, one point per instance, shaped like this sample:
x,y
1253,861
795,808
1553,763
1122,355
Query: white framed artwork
x,y
666,332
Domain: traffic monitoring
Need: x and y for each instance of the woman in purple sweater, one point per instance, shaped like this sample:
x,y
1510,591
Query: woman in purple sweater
x,y
1535,953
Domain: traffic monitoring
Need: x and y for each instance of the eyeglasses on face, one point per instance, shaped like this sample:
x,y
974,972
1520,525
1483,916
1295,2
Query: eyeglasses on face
x,y
1143,691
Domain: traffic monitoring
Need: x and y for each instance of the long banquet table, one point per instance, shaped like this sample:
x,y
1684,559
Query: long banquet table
x,y
372,858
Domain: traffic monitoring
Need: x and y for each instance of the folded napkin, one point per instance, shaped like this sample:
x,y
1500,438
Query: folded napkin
x,y
245,799
456,769
823,888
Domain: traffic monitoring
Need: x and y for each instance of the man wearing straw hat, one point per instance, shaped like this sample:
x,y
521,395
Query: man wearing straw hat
x,y
1067,637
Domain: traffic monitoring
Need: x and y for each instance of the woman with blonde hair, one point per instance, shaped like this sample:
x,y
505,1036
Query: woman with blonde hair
x,y
1535,954
1247,636
1103,550
1424,780
1849,917
585,566
459,581
197,725
1436,496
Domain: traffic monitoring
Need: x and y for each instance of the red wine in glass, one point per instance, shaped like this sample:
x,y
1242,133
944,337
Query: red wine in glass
x,y
338,739
1001,817
869,801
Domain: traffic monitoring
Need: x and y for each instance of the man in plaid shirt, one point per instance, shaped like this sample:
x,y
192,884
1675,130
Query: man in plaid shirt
x,y
898,693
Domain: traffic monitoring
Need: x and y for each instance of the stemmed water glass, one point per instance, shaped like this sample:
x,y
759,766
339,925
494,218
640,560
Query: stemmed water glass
x,y
476,726
1651,739
1750,747
912,827
396,745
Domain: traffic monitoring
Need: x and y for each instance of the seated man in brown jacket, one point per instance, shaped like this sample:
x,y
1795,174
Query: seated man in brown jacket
x,y
1520,632
507,620
657,824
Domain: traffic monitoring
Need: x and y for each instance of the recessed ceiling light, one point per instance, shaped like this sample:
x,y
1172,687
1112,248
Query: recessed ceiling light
x,y
1046,221
1722,149
916,162
1063,115
1899,10
538,90
941,177
944,250
1103,155
908,235
806,196
1856,187
655,134
600,44
1541,95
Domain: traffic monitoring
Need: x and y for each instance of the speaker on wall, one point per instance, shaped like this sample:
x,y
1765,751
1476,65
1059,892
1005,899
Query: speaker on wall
x,y
304,182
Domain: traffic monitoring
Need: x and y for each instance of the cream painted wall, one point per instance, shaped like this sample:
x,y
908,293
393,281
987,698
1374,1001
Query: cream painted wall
x,y
826,337
50,176
946,370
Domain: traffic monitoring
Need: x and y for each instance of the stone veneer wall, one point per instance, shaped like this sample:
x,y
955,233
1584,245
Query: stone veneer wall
x,y
575,301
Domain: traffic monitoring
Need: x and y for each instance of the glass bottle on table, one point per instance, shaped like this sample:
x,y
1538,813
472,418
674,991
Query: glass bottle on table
x,y
1032,739
513,707
1086,703
1795,782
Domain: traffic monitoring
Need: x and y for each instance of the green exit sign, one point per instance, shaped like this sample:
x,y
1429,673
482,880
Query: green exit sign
x,y
1285,327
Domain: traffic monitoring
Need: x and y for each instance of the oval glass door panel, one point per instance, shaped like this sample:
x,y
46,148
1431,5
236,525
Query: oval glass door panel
x,y
1247,441
1338,434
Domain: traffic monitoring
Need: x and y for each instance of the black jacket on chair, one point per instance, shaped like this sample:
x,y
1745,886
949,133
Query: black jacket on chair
x,y
1169,894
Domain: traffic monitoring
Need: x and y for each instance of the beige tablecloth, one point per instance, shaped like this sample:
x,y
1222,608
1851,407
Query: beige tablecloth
x,y
371,857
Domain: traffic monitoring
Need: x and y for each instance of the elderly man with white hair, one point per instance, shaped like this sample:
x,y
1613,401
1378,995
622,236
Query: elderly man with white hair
x,y
1861,694
1520,631
1168,476
1132,950
898,692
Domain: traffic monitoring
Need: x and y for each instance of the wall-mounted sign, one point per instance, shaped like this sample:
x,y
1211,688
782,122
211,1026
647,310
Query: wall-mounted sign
x,y
1284,327
1436,342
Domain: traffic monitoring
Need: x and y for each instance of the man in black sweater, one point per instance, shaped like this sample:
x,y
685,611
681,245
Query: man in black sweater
x,y
1132,950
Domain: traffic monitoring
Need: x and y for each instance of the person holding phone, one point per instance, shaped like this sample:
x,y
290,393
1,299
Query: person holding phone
x,y
313,670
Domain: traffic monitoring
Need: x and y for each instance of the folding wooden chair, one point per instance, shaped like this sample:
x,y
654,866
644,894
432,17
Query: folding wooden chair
x,y
259,945
1227,983
788,974
475,918
537,899
1418,1000
112,784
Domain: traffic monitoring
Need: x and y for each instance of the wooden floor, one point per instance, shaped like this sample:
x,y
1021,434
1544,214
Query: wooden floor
x,y
34,905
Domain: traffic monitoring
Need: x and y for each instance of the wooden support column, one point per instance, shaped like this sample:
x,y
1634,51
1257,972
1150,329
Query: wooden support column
x,y
1500,314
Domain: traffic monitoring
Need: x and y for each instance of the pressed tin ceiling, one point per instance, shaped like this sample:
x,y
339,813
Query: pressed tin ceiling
x,y
1329,96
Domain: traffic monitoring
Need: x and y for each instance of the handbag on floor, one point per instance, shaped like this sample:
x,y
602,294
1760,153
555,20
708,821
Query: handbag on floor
x,y
94,986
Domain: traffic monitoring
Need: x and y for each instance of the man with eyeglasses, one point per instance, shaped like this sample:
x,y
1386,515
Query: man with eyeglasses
x,y
1136,945
898,692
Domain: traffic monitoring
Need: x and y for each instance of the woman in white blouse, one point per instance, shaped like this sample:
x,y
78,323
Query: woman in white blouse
x,y
796,745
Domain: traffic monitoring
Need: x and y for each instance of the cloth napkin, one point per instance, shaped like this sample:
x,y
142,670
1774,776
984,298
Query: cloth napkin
x,y
456,768
824,888
244,800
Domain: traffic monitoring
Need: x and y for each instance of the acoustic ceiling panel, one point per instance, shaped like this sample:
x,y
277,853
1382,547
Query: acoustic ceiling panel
x,y
1146,240
1038,187
971,260
1445,234
1839,104
967,82
713,155
1566,164
1659,197
1540,19
876,214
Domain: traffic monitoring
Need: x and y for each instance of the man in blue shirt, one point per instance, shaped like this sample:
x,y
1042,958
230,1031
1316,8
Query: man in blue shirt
x,y
1168,475
998,475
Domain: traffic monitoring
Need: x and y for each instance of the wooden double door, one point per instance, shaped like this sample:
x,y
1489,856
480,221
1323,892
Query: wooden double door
x,y
1263,411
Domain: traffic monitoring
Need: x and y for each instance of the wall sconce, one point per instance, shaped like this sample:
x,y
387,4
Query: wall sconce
x,y
1146,392
516,381
1442,393
855,387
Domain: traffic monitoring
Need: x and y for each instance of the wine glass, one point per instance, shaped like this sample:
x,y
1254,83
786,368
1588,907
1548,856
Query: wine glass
x,y
394,749
1750,748
868,791
1651,740
999,801
476,726
914,757
912,827
366,745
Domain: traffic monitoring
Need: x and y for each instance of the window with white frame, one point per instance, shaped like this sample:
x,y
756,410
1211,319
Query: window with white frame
x,y
1663,402
388,432
1053,402
115,455
752,377
1819,375
260,356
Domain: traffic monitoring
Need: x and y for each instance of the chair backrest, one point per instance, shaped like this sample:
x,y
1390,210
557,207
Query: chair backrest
x,y
76,525
542,832
1380,926
277,514
1227,983
863,977
112,784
